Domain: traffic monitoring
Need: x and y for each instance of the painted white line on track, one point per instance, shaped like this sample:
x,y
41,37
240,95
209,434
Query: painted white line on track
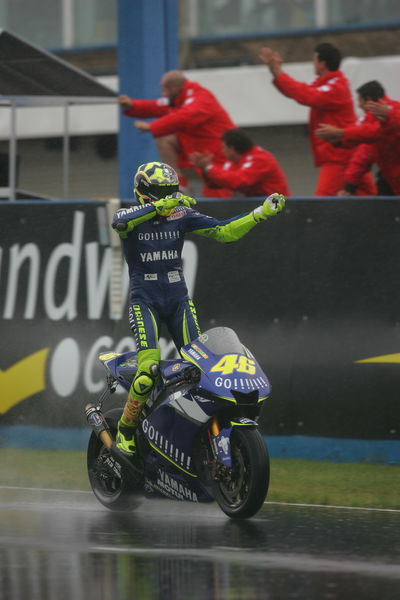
x,y
267,503
395,510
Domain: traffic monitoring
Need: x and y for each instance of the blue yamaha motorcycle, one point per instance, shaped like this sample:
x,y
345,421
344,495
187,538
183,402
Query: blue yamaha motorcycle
x,y
197,439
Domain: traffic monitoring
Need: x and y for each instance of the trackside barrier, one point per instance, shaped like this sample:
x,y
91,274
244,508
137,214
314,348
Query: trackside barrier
x,y
313,293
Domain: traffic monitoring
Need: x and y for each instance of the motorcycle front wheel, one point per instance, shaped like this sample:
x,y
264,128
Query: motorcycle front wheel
x,y
242,492
110,483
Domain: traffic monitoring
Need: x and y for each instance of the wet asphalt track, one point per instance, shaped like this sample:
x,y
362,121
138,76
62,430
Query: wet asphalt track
x,y
66,546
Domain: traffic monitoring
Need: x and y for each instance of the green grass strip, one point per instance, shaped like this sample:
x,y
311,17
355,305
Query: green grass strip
x,y
299,481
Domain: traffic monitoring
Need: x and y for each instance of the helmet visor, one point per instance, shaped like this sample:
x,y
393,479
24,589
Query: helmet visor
x,y
155,191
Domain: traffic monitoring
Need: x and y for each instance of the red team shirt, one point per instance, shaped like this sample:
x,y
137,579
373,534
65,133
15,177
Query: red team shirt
x,y
256,174
393,120
377,143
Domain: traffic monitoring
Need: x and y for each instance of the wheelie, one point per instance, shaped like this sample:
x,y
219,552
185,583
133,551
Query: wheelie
x,y
188,428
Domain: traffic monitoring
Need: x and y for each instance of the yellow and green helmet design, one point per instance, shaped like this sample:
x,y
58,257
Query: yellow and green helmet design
x,y
155,180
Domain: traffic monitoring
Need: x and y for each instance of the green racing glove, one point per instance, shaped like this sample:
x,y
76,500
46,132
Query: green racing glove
x,y
272,205
166,205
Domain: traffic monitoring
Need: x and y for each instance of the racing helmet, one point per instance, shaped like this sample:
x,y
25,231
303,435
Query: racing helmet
x,y
155,180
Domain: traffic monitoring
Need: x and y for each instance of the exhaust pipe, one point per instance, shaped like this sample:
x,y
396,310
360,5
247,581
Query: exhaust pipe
x,y
97,422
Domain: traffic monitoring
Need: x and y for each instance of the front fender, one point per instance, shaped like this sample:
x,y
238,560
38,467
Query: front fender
x,y
243,422
222,441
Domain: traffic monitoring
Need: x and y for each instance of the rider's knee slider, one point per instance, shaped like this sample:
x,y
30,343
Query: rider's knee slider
x,y
143,384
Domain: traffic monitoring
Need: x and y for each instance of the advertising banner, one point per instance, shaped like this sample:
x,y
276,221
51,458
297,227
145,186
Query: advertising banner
x,y
313,293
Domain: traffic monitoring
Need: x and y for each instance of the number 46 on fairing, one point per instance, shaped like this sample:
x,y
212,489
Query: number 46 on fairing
x,y
234,362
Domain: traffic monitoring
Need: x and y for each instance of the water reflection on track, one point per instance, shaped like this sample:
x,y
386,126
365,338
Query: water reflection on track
x,y
65,545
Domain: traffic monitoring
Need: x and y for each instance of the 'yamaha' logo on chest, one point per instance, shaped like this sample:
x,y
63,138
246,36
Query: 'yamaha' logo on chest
x,y
159,255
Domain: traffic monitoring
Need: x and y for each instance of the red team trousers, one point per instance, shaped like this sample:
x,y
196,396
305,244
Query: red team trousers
x,y
331,180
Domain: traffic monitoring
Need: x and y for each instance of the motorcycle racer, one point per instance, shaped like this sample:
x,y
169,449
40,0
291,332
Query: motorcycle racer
x,y
152,233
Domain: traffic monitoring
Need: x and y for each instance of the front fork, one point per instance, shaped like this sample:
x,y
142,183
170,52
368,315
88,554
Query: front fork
x,y
219,435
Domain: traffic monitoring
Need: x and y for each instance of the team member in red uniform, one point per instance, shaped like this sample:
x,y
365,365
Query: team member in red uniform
x,y
377,142
249,169
188,118
389,117
331,102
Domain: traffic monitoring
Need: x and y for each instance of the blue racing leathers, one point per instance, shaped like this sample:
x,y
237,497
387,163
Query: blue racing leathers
x,y
152,246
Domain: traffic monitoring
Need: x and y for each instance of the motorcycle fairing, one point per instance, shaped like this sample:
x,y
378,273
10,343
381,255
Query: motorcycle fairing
x,y
122,366
171,368
193,405
244,422
222,383
171,436
171,427
163,479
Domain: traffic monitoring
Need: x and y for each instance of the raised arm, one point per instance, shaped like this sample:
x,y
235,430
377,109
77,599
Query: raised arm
x,y
234,229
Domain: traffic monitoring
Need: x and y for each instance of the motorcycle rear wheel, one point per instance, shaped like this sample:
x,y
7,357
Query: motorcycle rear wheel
x,y
242,493
109,481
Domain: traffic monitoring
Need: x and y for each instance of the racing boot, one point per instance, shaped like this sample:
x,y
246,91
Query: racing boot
x,y
138,395
124,449
125,439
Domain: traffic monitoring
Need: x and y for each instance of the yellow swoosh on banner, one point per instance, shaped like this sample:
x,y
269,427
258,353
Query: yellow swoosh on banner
x,y
22,380
385,358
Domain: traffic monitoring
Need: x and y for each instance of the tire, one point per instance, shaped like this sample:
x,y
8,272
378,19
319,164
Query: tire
x,y
109,481
241,494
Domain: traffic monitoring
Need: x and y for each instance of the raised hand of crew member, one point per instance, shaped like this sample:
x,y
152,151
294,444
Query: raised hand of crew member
x,y
166,205
273,205
329,132
272,59
124,101
201,159
379,109
142,126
